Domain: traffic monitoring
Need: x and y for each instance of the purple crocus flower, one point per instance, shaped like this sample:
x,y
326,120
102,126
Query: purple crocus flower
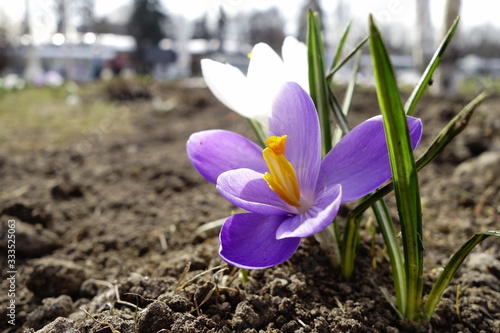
x,y
288,190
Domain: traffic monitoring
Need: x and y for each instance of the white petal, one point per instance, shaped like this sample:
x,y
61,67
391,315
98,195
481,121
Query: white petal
x,y
296,63
266,74
228,84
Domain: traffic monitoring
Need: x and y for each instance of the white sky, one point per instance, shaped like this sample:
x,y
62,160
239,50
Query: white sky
x,y
473,12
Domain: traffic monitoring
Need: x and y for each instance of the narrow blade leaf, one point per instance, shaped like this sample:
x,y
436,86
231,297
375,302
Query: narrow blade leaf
x,y
403,170
451,268
340,48
340,64
317,84
426,78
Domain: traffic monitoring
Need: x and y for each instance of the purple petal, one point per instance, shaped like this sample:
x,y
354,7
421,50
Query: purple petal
x,y
249,190
360,161
249,241
319,216
294,115
213,152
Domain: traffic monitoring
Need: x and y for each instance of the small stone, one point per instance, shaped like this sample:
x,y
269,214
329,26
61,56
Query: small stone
x,y
59,325
50,309
485,165
53,277
32,241
245,316
155,317
30,214
484,262
66,191
177,302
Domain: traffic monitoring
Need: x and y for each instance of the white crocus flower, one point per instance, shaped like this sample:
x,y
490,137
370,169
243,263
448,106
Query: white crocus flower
x,y
252,96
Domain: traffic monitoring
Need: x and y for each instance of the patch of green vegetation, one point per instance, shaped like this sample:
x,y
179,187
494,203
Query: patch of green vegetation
x,y
475,84
45,117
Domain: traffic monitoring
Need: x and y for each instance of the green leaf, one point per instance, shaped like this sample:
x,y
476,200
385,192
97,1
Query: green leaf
x,y
259,132
396,259
450,131
340,116
346,105
451,268
317,84
340,48
426,78
403,170
346,59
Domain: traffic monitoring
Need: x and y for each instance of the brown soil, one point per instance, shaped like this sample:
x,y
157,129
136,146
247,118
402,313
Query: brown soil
x,y
108,239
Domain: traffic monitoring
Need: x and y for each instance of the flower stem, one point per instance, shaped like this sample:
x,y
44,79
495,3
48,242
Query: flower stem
x,y
349,244
244,275
259,132
395,258
329,243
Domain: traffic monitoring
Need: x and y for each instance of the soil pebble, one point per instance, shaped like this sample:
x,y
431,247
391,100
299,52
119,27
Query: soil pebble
x,y
155,317
32,241
487,164
51,309
60,325
54,277
32,214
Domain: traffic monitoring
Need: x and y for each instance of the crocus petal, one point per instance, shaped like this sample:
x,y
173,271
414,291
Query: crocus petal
x,y
294,115
249,241
360,161
266,74
295,60
249,190
213,152
266,66
316,219
228,84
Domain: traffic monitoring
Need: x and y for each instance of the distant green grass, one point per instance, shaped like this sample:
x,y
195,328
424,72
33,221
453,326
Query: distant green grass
x,y
45,117
474,85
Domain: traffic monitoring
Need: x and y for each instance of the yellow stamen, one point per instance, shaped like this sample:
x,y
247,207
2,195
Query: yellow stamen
x,y
281,176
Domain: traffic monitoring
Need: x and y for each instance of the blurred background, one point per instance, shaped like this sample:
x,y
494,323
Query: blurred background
x,y
47,42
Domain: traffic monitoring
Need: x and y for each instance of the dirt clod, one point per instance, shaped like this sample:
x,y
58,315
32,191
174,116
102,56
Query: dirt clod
x,y
59,325
155,317
51,309
51,278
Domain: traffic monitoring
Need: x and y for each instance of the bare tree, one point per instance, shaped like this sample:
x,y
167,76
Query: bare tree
x,y
221,28
61,11
201,29
86,13
32,67
445,77
104,26
267,27
423,42
341,15
303,18
148,25
481,40
5,46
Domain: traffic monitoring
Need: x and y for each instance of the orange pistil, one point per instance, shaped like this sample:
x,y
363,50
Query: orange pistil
x,y
281,177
